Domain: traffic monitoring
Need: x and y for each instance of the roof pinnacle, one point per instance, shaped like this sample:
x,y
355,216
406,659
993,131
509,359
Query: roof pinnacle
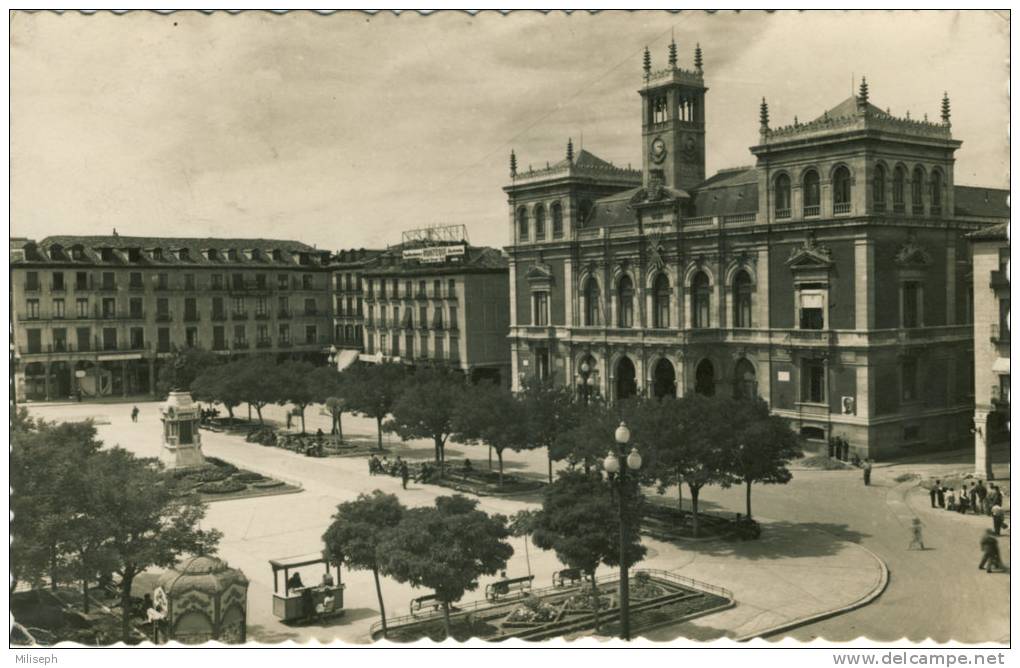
x,y
698,62
513,163
945,107
862,97
672,54
763,115
570,149
648,63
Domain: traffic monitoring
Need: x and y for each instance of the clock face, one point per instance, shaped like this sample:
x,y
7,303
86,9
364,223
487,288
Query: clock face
x,y
658,149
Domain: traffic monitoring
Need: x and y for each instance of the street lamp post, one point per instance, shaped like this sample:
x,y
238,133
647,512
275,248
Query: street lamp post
x,y
587,384
616,465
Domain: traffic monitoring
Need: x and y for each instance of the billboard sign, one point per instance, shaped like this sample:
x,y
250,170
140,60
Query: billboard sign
x,y
435,254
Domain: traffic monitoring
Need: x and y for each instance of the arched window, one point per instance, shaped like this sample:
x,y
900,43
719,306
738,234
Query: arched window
x,y
812,194
936,192
660,297
592,303
557,220
917,191
700,300
783,196
841,190
539,222
625,302
899,186
742,300
522,224
878,188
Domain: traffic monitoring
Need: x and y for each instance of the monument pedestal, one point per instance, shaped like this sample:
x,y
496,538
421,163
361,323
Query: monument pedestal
x,y
182,442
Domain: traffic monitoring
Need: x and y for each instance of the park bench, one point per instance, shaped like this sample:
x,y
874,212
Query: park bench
x,y
566,576
506,587
421,602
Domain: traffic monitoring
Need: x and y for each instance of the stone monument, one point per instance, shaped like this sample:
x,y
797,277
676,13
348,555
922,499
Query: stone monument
x,y
182,442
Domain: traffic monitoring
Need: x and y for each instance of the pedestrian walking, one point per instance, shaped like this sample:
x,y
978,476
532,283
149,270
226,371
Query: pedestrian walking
x,y
990,552
994,496
932,494
950,499
405,475
290,419
916,538
134,414
961,504
940,494
867,472
998,519
982,494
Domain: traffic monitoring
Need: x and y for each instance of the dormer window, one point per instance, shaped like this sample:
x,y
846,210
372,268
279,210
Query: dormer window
x,y
134,255
77,253
157,254
106,254
232,254
212,254
184,254
277,255
303,258
249,253
56,252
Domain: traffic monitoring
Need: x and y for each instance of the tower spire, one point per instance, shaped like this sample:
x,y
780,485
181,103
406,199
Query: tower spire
x,y
862,96
570,149
945,107
763,116
672,54
697,57
513,164
648,63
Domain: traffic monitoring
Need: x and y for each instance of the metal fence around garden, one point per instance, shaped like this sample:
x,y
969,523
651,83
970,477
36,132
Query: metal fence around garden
x,y
474,606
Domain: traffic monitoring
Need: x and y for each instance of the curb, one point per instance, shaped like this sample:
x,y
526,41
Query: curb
x,y
859,603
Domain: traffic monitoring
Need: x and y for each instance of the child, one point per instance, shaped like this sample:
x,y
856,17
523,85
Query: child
x,y
915,535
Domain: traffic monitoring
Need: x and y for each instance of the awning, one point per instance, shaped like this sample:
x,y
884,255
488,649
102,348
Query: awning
x,y
1001,366
346,358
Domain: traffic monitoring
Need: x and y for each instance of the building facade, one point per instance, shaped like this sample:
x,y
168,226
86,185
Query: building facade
x,y
830,278
439,303
990,249
349,302
98,315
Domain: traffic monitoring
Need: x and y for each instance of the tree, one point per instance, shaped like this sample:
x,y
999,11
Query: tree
x,y
587,431
330,391
580,521
548,408
372,389
765,445
182,367
219,383
426,408
48,463
446,548
297,387
358,528
259,382
492,415
151,524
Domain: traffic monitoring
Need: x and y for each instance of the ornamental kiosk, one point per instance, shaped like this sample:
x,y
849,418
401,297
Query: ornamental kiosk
x,y
303,602
182,442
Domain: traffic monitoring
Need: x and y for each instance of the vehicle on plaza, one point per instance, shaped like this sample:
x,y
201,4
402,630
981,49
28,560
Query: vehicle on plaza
x,y
304,604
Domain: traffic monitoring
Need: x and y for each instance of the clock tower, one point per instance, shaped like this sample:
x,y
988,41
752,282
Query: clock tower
x,y
673,122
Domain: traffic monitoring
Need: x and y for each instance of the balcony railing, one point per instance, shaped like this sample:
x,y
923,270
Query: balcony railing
x,y
311,313
878,207
999,280
999,334
284,343
191,317
165,316
219,346
264,343
219,316
917,209
108,287
283,315
936,210
57,288
812,210
999,395
240,344
262,316
783,213
841,208
32,287
239,315
899,207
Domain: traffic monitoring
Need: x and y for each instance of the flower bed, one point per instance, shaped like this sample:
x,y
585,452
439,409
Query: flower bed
x,y
222,487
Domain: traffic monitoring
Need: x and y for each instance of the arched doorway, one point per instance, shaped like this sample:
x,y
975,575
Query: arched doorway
x,y
626,383
665,379
745,385
704,378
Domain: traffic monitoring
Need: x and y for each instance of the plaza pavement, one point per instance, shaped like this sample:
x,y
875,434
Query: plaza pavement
x,y
798,570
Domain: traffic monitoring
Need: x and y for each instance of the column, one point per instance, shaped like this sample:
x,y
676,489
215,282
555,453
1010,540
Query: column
x,y
46,380
70,373
513,296
950,284
568,292
124,378
515,383
864,294
761,290
982,462
865,387
681,375
152,377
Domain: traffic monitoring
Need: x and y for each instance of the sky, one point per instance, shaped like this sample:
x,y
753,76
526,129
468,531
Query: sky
x,y
344,130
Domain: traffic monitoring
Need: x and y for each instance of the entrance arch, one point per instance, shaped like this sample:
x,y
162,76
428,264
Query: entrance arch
x,y
745,384
626,379
664,384
704,378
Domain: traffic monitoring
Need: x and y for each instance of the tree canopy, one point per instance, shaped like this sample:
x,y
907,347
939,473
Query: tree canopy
x,y
493,416
372,389
427,405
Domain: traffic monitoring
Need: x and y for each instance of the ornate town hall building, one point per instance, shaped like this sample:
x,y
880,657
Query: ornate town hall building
x,y
832,278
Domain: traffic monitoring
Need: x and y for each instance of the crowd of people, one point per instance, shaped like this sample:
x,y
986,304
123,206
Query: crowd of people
x,y
977,498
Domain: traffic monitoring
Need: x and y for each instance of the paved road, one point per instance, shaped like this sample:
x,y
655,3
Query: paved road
x,y
925,588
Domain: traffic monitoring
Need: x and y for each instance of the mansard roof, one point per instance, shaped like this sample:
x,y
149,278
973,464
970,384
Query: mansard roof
x,y
990,233
181,251
585,164
728,192
982,202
